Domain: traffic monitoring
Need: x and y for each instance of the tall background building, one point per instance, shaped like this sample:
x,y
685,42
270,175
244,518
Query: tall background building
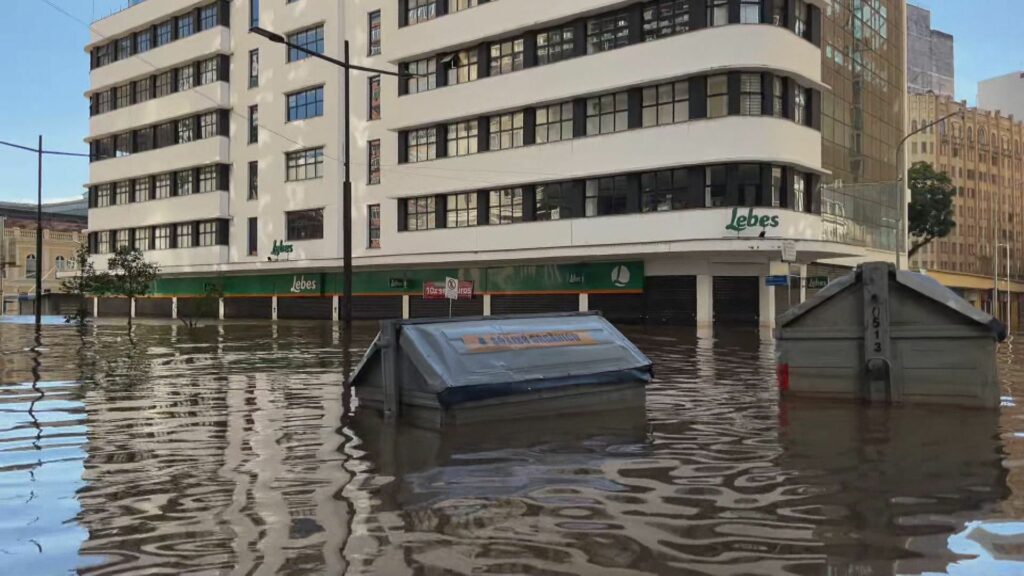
x,y
657,160
1004,93
930,64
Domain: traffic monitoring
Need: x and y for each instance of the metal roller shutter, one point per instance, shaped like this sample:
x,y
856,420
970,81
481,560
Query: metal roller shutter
x,y
736,300
313,308
115,307
535,303
378,307
671,300
198,308
252,308
621,308
153,307
420,308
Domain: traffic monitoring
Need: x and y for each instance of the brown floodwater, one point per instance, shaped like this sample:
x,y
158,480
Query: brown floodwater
x,y
230,449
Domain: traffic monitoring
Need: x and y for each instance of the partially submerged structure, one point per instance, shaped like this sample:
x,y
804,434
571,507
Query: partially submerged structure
x,y
467,370
883,335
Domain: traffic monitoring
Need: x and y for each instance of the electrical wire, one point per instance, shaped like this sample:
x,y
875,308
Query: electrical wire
x,y
51,152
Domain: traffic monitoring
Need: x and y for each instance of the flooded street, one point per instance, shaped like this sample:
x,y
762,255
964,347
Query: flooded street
x,y
229,449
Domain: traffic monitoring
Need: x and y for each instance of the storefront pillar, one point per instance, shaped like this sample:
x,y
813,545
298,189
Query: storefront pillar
x,y
803,283
705,301
335,314
131,307
584,302
220,308
174,308
95,307
273,308
766,303
405,306
487,304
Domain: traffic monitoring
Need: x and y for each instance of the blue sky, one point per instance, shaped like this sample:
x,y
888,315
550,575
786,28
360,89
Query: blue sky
x,y
46,71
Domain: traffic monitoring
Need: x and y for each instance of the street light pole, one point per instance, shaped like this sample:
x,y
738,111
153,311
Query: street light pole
x,y
39,238
901,213
346,200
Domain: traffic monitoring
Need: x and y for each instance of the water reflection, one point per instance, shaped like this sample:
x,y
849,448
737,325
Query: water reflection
x,y
227,449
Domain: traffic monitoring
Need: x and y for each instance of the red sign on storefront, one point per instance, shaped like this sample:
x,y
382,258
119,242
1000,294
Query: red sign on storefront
x,y
435,290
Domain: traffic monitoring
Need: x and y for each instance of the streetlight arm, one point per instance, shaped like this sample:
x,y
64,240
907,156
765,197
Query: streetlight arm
x,y
279,39
924,127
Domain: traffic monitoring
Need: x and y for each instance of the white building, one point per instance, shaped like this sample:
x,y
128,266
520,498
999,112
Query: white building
x,y
650,159
1003,93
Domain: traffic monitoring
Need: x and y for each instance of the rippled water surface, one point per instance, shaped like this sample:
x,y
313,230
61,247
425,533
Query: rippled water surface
x,y
230,449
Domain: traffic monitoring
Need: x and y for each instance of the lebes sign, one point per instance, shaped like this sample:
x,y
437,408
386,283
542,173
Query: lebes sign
x,y
740,222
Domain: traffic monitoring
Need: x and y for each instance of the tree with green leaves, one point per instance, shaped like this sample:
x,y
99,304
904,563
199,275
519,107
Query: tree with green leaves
x,y
129,275
84,283
930,214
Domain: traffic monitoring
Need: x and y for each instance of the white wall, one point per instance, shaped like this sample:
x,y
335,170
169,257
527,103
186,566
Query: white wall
x,y
1003,93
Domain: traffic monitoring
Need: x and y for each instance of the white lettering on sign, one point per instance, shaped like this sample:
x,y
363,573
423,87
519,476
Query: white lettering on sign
x,y
300,284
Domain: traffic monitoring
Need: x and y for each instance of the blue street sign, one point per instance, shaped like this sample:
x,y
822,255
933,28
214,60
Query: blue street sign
x,y
776,280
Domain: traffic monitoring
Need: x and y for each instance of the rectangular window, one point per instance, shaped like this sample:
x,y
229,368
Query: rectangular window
x,y
253,236
556,45
800,23
373,147
254,68
312,39
373,226
607,32
143,41
254,13
554,201
254,124
161,237
463,66
718,13
777,96
463,138
423,75
124,96
461,210
421,11
123,192
124,47
304,164
142,190
141,239
167,134
305,224
254,180
164,32
607,114
799,191
120,238
605,196
122,145
718,96
750,11
183,233
664,190
186,130
666,18
143,90
143,139
421,145
750,94
420,214
776,186
306,104
666,104
749,179
208,125
104,55
458,5
163,186
103,245
209,70
208,233
374,98
800,105
714,186
375,32
506,56
104,101
554,123
104,195
506,206
164,83
207,17
186,78
506,131
183,183
186,25
208,178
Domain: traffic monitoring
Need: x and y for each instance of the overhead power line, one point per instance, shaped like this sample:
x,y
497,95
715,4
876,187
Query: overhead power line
x,y
51,152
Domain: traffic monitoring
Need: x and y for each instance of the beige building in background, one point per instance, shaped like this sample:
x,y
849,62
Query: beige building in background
x,y
63,225
983,156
